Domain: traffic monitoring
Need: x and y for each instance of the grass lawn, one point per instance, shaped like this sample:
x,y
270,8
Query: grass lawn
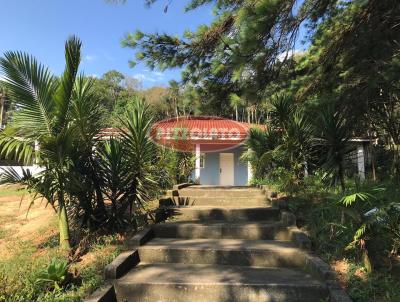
x,y
12,191
28,242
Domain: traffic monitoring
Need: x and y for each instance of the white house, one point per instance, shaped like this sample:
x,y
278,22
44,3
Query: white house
x,y
217,143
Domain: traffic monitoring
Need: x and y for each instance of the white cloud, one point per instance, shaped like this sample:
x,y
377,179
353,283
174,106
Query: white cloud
x,y
144,78
289,54
159,74
94,75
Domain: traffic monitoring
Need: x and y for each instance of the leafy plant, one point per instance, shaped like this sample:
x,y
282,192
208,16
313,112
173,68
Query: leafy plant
x,y
46,111
333,135
373,219
54,274
259,150
350,199
58,125
126,165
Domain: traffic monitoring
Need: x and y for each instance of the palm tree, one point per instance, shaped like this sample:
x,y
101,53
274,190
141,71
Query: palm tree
x,y
174,95
53,113
333,134
235,102
282,108
2,103
297,142
260,145
140,153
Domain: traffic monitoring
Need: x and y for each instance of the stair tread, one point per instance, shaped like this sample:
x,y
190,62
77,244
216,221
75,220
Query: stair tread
x,y
221,223
222,197
222,244
212,207
214,187
177,273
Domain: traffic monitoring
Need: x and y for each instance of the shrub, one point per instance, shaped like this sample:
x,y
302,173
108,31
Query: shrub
x,y
54,274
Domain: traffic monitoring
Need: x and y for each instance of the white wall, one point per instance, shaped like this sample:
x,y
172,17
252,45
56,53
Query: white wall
x,y
34,169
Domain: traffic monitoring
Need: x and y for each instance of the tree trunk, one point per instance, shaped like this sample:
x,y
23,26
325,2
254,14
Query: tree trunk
x,y
1,109
176,107
343,186
63,223
341,176
99,195
237,113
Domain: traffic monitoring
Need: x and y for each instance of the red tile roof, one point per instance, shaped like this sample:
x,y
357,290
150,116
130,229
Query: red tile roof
x,y
183,133
214,128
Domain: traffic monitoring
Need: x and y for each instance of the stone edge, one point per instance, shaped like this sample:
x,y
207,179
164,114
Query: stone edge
x,y
181,186
319,268
105,293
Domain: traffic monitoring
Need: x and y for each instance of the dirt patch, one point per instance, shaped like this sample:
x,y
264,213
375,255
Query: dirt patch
x,y
23,220
90,257
341,267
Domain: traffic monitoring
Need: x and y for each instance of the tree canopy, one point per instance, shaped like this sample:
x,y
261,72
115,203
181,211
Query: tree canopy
x,y
252,49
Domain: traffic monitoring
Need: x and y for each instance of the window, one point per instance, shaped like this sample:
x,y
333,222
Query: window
x,y
202,160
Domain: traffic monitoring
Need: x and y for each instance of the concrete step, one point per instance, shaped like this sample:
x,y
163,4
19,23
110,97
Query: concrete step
x,y
262,253
221,192
222,201
221,230
204,213
217,187
205,283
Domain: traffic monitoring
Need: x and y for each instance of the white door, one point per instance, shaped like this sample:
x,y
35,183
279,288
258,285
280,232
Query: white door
x,y
226,169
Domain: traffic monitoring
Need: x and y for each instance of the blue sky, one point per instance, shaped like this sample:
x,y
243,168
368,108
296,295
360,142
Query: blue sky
x,y
41,27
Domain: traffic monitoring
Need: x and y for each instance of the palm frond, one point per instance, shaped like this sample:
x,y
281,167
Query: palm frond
x,y
85,110
282,108
63,96
16,148
31,86
350,199
135,134
11,176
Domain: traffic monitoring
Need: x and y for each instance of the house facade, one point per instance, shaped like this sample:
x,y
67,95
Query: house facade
x,y
217,144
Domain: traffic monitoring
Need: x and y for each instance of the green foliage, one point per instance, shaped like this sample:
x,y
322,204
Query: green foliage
x,y
12,191
19,273
350,199
287,143
54,274
260,145
361,225
283,180
64,118
114,91
333,134
47,106
376,286
252,52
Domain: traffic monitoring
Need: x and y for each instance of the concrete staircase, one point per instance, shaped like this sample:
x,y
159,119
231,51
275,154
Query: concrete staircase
x,y
226,244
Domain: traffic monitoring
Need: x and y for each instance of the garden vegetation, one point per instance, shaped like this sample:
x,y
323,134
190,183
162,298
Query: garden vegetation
x,y
314,92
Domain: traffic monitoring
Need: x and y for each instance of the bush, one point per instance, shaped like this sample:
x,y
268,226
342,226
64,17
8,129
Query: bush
x,y
373,287
54,275
365,232
282,180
